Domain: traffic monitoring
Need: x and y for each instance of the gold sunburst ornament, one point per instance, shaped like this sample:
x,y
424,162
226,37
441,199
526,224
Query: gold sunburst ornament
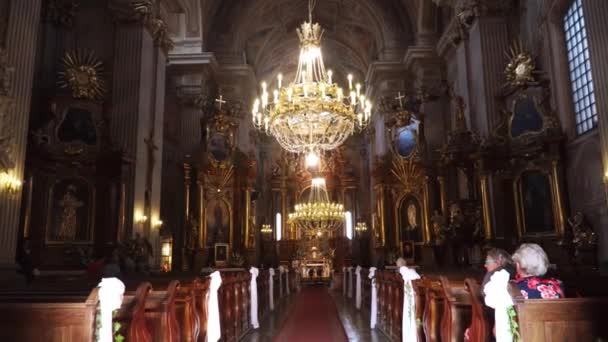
x,y
521,68
83,74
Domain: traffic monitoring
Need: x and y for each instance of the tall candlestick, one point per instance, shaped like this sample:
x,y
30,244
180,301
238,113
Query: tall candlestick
x,y
280,79
350,81
358,87
329,74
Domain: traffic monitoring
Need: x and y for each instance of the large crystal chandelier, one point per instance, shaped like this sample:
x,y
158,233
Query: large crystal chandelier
x,y
312,113
318,215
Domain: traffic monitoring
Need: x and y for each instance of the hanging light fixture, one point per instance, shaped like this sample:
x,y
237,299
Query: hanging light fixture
x,y
312,113
266,229
318,215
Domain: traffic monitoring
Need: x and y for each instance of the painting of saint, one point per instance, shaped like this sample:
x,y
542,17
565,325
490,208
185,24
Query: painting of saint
x,y
406,142
77,126
219,147
69,213
218,223
411,220
526,117
537,202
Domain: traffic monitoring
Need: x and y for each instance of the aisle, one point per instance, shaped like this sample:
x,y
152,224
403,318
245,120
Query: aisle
x,y
313,318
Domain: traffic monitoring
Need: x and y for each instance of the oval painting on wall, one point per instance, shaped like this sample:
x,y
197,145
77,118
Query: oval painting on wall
x,y
406,142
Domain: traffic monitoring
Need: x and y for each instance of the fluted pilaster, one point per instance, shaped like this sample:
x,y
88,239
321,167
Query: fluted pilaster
x,y
21,36
488,41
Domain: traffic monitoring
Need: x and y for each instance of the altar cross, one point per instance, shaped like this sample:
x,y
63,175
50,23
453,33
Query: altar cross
x,y
220,101
399,98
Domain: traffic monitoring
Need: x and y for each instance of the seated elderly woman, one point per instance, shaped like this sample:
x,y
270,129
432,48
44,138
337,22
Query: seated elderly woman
x,y
531,263
497,259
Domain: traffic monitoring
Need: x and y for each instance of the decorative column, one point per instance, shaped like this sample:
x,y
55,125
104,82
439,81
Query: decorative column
x,y
247,242
137,114
202,233
16,76
485,205
442,195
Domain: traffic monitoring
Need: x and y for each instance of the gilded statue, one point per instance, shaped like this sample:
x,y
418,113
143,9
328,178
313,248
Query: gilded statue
x,y
191,241
69,217
583,236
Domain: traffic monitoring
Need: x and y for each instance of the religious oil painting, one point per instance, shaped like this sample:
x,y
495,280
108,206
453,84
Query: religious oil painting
x,y
405,138
221,251
410,219
77,126
70,211
526,117
218,222
537,203
408,250
219,147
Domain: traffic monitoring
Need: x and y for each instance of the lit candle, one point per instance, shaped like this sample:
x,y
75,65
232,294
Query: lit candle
x,y
280,79
362,100
266,119
350,81
263,87
303,76
340,94
360,117
322,91
353,98
264,99
289,93
329,74
275,94
305,90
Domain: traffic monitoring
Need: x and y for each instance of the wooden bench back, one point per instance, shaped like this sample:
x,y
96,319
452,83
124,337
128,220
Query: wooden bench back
x,y
480,321
48,318
567,319
456,310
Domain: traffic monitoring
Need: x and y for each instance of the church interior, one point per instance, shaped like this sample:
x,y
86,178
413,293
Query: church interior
x,y
303,170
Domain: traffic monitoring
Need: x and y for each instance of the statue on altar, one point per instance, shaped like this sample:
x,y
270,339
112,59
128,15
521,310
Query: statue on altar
x,y
69,218
584,239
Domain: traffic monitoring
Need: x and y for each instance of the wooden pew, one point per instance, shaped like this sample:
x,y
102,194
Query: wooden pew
x,y
433,309
567,319
49,318
131,315
456,311
481,326
234,305
160,313
263,300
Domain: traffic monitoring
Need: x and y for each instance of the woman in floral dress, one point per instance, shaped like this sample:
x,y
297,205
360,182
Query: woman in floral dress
x,y
531,263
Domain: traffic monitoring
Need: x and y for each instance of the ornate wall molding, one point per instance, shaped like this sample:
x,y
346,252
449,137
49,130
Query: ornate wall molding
x,y
7,134
61,12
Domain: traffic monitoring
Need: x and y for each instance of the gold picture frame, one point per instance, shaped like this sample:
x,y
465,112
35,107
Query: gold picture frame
x,y
221,253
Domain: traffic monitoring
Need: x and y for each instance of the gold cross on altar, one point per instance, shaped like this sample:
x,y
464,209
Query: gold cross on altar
x,y
399,98
220,101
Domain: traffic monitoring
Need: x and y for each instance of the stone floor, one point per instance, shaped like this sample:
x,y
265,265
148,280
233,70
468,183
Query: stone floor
x,y
355,323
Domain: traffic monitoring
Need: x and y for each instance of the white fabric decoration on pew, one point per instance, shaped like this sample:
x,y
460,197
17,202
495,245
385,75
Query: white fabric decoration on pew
x,y
498,298
110,295
344,279
358,288
350,282
270,287
374,301
253,290
281,271
214,331
409,326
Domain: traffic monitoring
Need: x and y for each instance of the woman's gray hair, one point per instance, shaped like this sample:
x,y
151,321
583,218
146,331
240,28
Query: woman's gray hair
x,y
501,257
532,259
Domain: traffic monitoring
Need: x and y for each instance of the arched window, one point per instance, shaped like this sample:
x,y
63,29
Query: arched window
x,y
349,224
277,227
579,65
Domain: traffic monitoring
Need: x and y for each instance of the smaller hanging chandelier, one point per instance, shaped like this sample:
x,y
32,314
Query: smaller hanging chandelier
x,y
361,227
266,229
318,215
311,114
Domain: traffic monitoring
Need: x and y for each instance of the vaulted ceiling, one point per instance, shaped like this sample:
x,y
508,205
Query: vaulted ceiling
x,y
262,33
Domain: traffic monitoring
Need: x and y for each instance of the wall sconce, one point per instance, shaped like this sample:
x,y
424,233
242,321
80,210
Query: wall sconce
x,y
361,227
9,183
140,218
156,223
166,252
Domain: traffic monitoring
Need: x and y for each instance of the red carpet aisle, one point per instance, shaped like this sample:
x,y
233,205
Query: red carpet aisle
x,y
314,318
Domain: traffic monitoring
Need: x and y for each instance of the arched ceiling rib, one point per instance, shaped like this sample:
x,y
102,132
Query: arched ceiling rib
x,y
263,31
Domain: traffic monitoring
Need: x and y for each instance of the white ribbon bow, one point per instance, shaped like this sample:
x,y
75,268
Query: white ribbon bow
x,y
253,290
358,288
408,327
214,331
110,295
497,296
270,287
374,301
